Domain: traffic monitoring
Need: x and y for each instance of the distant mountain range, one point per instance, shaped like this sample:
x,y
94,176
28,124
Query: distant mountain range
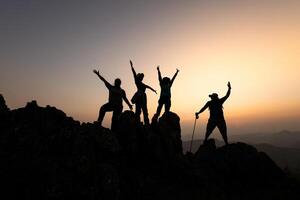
x,y
290,139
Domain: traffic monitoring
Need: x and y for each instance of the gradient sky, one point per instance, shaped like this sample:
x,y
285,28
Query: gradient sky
x,y
49,49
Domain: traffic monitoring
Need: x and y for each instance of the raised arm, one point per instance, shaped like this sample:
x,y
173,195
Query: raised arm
x,y
201,110
126,100
107,84
228,92
147,86
159,74
133,71
174,76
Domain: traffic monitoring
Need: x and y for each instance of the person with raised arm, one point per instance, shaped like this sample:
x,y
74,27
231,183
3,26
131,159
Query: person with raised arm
x,y
116,97
216,118
140,97
165,92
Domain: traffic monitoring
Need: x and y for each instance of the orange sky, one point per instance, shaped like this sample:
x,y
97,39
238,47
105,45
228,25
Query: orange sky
x,y
255,45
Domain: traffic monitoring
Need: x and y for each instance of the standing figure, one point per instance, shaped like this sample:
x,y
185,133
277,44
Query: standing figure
x,y
116,96
140,98
216,118
165,92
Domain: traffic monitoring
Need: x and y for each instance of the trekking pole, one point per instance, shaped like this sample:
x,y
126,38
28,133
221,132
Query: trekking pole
x,y
191,145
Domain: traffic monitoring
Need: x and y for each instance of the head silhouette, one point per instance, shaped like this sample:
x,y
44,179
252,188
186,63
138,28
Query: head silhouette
x,y
118,82
214,96
166,80
140,76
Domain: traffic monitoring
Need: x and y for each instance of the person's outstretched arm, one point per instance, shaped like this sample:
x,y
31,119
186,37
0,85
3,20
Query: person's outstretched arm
x,y
159,74
126,100
133,71
107,84
201,110
174,76
228,92
147,86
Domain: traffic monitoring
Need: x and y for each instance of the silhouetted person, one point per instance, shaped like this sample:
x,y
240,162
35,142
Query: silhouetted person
x,y
140,98
116,95
165,92
216,118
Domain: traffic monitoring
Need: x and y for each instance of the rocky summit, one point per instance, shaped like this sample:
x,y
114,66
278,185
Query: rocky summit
x,y
47,155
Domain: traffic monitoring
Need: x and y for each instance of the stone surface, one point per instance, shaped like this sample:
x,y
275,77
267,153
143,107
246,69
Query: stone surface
x,y
48,155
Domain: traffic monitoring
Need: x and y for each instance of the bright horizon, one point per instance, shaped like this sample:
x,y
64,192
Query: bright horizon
x,y
49,49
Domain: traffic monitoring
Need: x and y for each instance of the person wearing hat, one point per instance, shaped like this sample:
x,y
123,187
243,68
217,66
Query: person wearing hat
x,y
116,95
216,118
140,98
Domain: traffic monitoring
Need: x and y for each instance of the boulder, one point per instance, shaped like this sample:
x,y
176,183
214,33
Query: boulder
x,y
4,113
170,132
237,167
47,155
129,132
3,106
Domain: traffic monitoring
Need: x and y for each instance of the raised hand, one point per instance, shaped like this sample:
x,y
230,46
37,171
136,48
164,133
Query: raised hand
x,y
96,72
197,115
177,70
131,64
157,68
229,85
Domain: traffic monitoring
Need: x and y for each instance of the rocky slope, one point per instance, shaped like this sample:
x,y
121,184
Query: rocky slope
x,y
47,155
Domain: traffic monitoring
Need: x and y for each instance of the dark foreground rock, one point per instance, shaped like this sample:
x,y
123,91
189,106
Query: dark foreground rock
x,y
47,155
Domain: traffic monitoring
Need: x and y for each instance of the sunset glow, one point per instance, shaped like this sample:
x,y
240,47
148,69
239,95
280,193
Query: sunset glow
x,y
255,45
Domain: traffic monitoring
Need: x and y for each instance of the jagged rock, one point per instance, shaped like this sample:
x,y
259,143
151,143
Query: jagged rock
x,y
50,155
206,150
3,106
5,118
244,160
161,140
170,132
239,166
129,132
47,155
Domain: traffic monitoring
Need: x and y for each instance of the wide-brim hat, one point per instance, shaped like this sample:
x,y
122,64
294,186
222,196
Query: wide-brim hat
x,y
140,75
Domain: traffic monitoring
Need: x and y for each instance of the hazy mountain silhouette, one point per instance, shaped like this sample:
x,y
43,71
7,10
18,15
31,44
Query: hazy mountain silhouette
x,y
47,155
285,138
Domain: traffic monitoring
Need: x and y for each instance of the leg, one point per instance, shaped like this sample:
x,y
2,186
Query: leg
x,y
223,130
158,110
115,117
211,125
167,105
105,108
159,107
145,111
138,110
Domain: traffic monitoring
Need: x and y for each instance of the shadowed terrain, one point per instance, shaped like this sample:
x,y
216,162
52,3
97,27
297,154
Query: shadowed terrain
x,y
47,155
286,158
